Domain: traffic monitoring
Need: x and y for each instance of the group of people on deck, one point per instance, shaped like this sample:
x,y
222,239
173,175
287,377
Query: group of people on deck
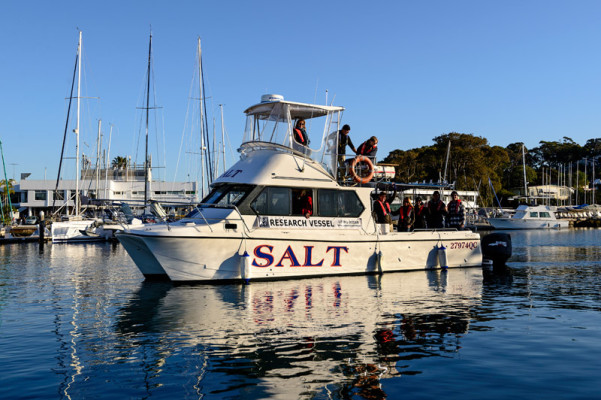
x,y
435,214
431,215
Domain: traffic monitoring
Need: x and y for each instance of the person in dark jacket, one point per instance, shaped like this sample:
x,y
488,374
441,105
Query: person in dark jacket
x,y
344,140
420,211
456,212
381,209
436,211
406,216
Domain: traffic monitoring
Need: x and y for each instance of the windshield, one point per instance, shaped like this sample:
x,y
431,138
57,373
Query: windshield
x,y
226,195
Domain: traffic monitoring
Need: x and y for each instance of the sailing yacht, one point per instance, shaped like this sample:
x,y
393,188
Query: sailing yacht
x,y
252,225
73,228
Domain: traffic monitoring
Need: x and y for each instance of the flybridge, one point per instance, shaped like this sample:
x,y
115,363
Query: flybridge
x,y
273,120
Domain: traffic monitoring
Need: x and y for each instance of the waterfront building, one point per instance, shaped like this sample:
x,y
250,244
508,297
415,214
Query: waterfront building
x,y
550,192
112,185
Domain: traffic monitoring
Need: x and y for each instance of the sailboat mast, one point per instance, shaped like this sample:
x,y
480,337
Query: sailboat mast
x,y
444,178
203,105
77,127
222,138
576,194
146,164
10,206
202,139
106,163
524,167
60,164
98,159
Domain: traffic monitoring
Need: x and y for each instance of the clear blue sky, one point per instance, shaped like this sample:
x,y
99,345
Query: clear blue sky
x,y
406,71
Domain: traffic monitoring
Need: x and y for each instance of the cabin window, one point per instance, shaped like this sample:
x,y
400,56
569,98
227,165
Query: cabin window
x,y
272,201
544,214
327,203
534,214
227,195
339,203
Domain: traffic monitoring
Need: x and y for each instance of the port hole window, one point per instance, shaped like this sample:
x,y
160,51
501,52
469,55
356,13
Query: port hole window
x,y
272,201
339,203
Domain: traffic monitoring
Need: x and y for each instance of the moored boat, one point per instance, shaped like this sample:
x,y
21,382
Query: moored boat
x,y
253,225
530,217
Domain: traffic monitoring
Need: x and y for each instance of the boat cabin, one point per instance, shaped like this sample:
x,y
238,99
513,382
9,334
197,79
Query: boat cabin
x,y
286,201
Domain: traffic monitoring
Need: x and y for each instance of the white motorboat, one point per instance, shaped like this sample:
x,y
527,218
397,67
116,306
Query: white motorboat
x,y
530,217
251,227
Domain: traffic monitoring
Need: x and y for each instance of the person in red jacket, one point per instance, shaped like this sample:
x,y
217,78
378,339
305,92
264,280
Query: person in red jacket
x,y
381,209
406,216
369,148
421,214
300,133
306,204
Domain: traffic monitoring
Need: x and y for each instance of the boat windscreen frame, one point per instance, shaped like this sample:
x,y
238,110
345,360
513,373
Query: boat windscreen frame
x,y
217,194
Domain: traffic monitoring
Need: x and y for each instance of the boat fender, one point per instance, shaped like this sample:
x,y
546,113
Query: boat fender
x,y
379,261
353,171
442,257
245,266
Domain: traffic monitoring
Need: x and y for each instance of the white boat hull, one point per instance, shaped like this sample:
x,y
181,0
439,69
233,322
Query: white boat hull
x,y
72,231
513,223
204,258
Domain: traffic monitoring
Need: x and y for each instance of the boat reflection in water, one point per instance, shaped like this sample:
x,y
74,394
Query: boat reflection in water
x,y
293,339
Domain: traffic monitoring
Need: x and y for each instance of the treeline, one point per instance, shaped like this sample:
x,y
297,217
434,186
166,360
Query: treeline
x,y
472,162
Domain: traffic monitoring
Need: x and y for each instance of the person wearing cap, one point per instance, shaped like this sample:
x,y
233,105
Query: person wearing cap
x,y
344,140
456,212
436,211
420,212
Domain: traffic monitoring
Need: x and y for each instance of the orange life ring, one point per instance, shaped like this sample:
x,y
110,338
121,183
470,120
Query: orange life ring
x,y
355,175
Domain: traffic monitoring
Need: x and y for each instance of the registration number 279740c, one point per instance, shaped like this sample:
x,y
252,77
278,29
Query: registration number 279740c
x,y
463,245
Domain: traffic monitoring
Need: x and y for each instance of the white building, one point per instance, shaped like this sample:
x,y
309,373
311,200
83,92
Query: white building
x,y
33,196
553,192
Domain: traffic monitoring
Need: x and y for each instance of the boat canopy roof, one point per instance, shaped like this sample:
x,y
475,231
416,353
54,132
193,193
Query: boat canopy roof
x,y
269,110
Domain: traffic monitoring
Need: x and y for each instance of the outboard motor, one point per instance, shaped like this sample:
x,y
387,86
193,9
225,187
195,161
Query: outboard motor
x,y
496,247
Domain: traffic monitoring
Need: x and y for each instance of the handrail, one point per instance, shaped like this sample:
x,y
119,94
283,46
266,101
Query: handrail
x,y
203,217
247,231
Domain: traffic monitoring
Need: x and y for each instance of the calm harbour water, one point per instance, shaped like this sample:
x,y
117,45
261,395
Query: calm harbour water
x,y
79,322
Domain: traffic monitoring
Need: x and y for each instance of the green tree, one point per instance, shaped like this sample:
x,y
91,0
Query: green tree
x,y
5,206
472,161
119,162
